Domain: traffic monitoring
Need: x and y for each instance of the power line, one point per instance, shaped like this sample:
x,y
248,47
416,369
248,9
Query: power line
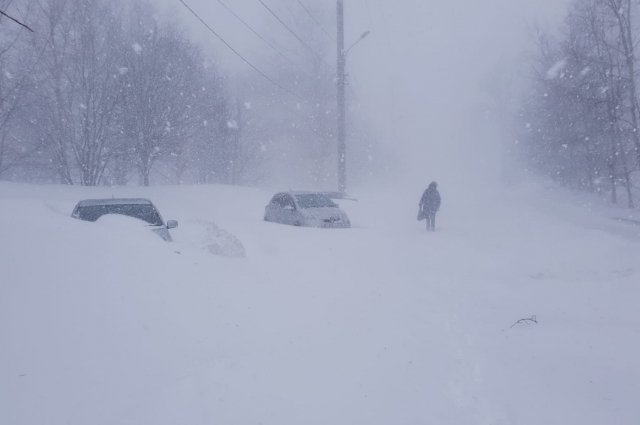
x,y
256,69
250,28
313,18
290,30
257,34
15,20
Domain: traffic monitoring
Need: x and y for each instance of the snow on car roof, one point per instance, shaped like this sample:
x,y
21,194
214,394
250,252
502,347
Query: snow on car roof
x,y
305,192
328,194
113,201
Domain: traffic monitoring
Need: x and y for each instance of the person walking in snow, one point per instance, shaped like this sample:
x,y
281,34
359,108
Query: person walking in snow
x,y
429,205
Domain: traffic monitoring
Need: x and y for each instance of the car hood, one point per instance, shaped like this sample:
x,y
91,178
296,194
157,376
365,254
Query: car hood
x,y
127,226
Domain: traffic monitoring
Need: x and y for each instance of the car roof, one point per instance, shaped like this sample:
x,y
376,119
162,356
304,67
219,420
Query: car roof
x,y
305,192
113,201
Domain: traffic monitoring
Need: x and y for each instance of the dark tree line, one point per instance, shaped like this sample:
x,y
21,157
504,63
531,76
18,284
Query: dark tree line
x,y
580,119
103,91
106,92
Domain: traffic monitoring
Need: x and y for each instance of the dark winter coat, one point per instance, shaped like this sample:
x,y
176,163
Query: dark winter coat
x,y
430,201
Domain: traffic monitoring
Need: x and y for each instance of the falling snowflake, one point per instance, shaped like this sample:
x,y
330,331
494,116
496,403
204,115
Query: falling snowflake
x,y
556,70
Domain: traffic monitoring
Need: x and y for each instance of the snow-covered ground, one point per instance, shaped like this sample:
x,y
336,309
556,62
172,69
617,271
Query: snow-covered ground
x,y
245,322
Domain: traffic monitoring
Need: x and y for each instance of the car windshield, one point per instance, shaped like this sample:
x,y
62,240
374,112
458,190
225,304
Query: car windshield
x,y
146,212
314,200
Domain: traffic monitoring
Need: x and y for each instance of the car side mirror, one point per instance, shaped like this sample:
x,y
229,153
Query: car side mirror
x,y
172,224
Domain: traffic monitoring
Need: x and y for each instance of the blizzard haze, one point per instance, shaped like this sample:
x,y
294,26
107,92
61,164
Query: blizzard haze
x,y
518,307
431,62
419,80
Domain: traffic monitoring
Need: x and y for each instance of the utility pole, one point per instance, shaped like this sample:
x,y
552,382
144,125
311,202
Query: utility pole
x,y
340,81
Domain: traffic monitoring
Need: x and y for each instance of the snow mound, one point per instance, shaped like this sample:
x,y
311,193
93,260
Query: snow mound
x,y
218,241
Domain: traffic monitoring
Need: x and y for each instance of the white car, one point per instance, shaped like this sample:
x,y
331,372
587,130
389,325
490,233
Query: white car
x,y
142,209
311,209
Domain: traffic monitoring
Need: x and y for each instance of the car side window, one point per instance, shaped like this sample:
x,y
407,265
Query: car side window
x,y
276,200
287,201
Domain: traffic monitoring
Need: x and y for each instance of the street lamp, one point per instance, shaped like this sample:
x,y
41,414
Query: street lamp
x,y
340,82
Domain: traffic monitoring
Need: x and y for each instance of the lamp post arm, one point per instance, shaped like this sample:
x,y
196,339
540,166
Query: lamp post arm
x,y
362,37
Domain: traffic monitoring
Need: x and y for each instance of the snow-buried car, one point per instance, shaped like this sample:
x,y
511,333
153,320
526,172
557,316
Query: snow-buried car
x,y
142,209
311,209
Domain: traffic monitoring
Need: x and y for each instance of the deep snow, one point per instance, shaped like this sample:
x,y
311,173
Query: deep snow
x,y
383,323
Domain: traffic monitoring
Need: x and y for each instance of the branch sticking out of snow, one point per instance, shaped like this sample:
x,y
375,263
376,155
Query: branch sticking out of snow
x,y
527,320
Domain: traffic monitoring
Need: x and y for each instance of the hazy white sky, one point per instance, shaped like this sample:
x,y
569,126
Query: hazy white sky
x,y
430,59
420,74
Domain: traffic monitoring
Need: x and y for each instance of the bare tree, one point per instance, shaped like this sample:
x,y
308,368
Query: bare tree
x,y
582,119
164,81
16,62
79,86
95,64
622,10
92,96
